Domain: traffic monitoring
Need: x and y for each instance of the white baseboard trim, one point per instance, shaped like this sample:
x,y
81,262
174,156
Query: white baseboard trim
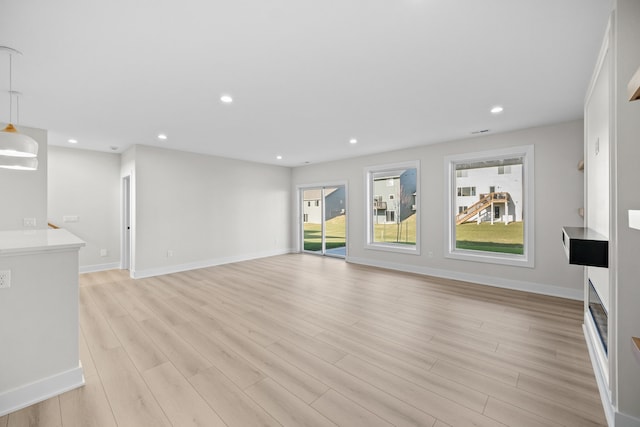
x,y
614,418
498,282
601,377
624,420
26,395
159,271
99,267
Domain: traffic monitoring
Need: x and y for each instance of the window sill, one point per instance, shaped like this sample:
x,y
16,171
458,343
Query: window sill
x,y
491,258
386,247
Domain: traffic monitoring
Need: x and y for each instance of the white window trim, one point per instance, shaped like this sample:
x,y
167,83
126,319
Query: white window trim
x,y
450,251
368,177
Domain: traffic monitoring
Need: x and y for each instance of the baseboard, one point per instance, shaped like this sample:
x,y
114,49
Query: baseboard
x,y
170,269
99,267
624,420
614,418
601,377
498,282
21,397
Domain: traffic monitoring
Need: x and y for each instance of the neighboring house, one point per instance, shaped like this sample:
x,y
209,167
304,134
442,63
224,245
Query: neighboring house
x,y
474,188
408,191
395,197
312,204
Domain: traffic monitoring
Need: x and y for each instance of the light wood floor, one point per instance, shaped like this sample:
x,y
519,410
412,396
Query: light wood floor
x,y
301,340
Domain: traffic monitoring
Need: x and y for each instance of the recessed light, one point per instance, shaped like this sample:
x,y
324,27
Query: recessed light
x,y
497,109
279,157
353,141
227,99
162,136
72,141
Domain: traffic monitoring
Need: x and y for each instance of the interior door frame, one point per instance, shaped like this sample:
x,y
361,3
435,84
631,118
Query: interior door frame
x,y
300,223
125,262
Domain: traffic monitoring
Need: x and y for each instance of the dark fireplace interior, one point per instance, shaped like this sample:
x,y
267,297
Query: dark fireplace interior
x,y
599,315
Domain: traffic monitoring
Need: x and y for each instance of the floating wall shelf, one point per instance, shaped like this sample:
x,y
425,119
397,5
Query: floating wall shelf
x,y
634,219
584,246
634,87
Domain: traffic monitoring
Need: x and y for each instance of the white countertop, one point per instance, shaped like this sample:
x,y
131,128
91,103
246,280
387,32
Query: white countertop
x,y
29,241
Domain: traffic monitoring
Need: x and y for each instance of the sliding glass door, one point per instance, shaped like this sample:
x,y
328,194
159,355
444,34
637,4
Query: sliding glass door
x,y
324,225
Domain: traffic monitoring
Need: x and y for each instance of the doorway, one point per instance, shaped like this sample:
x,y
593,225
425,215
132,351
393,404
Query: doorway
x,y
324,220
126,223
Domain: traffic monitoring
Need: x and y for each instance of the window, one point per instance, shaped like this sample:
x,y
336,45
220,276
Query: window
x,y
305,217
490,209
392,214
309,204
466,191
317,202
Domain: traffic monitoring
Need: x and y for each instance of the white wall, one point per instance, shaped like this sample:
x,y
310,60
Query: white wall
x,y
86,184
24,193
207,210
626,241
558,195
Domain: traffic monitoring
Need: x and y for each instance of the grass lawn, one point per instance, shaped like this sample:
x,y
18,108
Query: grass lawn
x,y
492,238
404,232
335,232
477,237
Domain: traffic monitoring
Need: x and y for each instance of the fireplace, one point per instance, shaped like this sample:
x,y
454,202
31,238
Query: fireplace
x,y
599,315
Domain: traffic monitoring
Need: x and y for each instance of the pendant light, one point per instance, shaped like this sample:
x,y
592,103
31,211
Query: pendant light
x,y
17,151
19,163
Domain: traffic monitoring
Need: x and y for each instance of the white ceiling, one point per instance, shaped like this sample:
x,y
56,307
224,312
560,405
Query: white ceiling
x,y
306,76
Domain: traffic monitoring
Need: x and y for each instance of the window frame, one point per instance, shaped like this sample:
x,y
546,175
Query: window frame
x,y
369,172
460,190
527,259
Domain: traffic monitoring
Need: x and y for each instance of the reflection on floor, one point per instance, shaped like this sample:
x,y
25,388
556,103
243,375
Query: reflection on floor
x,y
342,251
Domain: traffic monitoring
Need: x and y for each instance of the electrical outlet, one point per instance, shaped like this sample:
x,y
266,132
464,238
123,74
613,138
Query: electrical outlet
x,y
104,252
29,222
5,279
169,253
